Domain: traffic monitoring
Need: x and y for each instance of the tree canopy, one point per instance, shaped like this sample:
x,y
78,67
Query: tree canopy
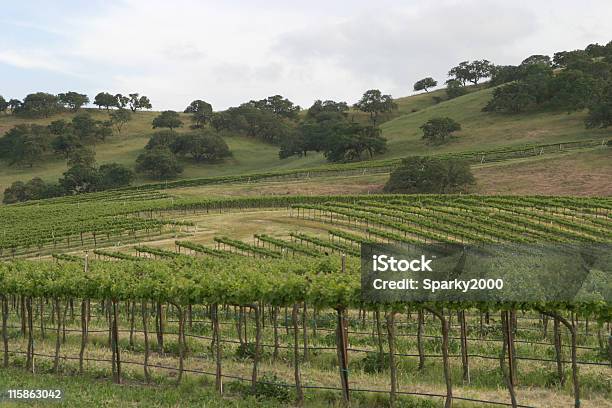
x,y
473,72
38,105
375,103
326,128
424,84
25,144
119,117
429,175
167,119
201,113
105,100
438,130
278,105
201,145
158,163
73,100
3,104
137,102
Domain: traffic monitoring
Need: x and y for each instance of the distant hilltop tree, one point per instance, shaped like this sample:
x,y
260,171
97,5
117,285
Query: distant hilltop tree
x,y
137,102
3,104
105,100
375,103
537,59
278,105
424,84
38,105
73,100
201,113
14,104
471,71
327,106
121,101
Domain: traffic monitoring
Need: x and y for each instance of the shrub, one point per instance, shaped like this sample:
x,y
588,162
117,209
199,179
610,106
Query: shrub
x,y
430,175
375,363
270,386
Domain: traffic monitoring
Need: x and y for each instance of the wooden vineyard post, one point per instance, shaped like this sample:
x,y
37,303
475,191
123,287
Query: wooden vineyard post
x,y
145,332
508,333
257,355
296,357
505,317
448,403
392,363
115,343
420,324
214,309
342,346
5,312
30,353
84,319
464,348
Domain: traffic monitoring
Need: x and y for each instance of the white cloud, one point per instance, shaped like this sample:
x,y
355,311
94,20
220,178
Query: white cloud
x,y
230,52
32,59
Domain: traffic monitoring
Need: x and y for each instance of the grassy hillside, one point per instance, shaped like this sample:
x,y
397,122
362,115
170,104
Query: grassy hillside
x,y
484,130
249,154
480,130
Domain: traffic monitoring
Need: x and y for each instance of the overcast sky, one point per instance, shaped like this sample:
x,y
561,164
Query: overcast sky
x,y
228,52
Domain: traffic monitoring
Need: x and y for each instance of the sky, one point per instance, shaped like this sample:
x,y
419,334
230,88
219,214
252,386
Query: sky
x,y
229,52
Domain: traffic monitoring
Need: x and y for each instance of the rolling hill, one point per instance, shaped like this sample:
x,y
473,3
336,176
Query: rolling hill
x,y
480,130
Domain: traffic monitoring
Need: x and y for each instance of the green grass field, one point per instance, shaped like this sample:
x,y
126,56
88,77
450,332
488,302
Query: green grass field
x,y
85,391
480,130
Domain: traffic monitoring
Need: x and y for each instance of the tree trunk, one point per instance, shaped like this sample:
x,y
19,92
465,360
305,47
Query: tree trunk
x,y
558,351
341,345
57,336
132,313
507,373
575,379
181,343
145,318
296,358
392,364
5,312
84,323
42,318
448,403
379,341
30,359
22,309
116,344
512,327
305,331
239,326
160,328
257,355
465,362
276,339
217,340
421,322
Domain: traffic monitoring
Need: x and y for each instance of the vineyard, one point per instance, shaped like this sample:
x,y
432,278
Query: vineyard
x,y
279,313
